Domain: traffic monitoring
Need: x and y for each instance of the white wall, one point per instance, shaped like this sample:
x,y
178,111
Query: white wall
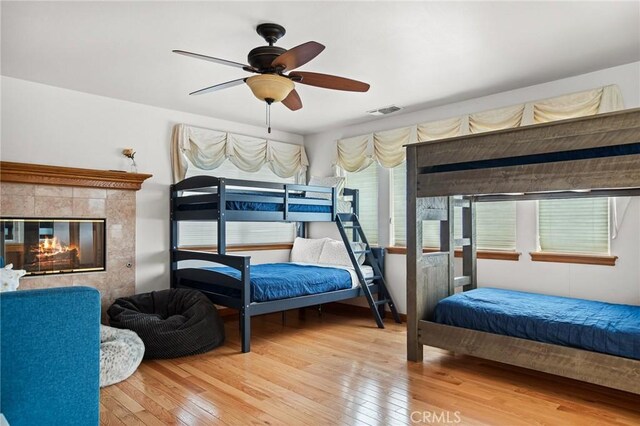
x,y
49,125
619,284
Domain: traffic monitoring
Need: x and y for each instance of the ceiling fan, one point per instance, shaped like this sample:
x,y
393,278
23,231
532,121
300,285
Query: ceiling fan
x,y
270,63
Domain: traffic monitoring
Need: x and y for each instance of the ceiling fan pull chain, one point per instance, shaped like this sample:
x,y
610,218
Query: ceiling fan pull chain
x,y
267,116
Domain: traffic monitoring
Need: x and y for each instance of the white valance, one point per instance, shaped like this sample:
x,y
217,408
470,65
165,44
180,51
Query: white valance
x,y
386,147
207,149
568,106
355,154
442,129
502,118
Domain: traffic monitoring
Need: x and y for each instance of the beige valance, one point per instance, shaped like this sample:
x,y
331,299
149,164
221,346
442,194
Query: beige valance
x,y
386,147
355,153
207,149
442,129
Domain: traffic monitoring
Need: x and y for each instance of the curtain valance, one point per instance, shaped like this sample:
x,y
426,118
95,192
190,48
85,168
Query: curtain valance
x,y
207,149
386,147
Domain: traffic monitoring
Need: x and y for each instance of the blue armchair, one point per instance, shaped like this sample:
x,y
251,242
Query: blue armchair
x,y
50,356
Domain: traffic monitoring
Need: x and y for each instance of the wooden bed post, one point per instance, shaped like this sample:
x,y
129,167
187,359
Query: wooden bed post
x,y
301,229
245,313
222,217
469,251
355,204
173,237
430,277
447,247
414,253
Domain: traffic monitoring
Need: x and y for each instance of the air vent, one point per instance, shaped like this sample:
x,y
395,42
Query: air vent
x,y
384,111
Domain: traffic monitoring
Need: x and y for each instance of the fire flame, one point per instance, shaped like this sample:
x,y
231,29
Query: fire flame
x,y
51,246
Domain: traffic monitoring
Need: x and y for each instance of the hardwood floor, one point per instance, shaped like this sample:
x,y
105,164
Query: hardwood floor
x,y
340,369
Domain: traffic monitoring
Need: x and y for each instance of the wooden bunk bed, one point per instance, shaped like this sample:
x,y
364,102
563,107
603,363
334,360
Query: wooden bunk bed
x,y
207,198
584,157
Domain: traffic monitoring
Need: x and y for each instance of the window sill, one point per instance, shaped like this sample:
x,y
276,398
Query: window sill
x,y
242,247
482,254
582,259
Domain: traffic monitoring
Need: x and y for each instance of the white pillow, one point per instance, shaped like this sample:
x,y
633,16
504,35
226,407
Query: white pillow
x,y
329,181
307,250
335,253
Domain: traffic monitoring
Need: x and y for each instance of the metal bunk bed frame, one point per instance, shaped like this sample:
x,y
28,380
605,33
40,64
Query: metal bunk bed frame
x,y
590,156
210,204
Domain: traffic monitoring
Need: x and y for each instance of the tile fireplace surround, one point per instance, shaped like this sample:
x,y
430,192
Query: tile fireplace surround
x,y
29,190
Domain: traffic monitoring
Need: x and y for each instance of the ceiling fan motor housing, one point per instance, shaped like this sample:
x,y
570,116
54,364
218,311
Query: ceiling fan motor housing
x,y
261,57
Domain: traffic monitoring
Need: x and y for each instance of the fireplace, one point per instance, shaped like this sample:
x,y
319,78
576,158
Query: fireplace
x,y
53,246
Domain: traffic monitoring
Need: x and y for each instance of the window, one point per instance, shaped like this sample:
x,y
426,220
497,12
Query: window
x,y
495,221
496,225
579,225
366,181
399,188
205,233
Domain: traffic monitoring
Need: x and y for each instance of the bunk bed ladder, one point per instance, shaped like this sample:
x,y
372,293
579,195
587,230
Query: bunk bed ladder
x,y
384,297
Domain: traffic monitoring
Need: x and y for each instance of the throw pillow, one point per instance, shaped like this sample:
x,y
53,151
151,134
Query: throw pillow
x,y
335,253
307,250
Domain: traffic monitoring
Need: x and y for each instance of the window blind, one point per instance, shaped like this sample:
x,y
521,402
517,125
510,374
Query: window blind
x,y
366,181
496,225
495,222
205,233
578,225
399,188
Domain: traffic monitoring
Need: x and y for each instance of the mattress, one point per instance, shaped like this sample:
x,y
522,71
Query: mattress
x,y
260,206
595,326
275,281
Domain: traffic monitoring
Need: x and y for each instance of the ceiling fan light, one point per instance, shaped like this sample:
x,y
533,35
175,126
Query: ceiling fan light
x,y
269,86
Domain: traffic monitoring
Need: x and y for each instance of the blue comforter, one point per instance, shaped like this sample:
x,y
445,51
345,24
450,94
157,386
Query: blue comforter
x,y
273,281
278,207
261,206
594,326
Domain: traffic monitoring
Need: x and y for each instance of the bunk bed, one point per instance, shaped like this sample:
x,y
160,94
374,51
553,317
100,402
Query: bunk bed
x,y
584,157
269,288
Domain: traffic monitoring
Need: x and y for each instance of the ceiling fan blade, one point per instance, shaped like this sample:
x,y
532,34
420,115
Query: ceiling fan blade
x,y
298,56
215,60
329,81
219,87
293,101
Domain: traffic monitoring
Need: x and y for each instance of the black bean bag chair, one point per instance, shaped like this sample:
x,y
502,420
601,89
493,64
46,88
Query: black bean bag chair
x,y
171,323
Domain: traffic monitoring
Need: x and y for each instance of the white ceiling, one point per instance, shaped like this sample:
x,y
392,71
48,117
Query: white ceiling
x,y
414,54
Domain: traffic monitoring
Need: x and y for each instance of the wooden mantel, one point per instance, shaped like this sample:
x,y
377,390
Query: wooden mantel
x,y
70,176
